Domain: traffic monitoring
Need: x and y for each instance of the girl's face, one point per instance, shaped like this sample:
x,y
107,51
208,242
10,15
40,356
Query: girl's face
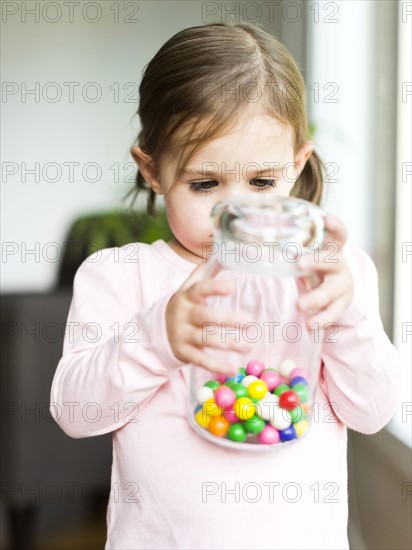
x,y
256,157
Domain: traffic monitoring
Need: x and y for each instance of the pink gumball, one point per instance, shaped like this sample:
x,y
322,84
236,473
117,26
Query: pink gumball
x,y
221,378
231,417
298,372
269,435
225,397
255,367
272,379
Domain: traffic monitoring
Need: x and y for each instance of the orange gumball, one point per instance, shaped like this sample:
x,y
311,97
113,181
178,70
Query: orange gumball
x,y
218,425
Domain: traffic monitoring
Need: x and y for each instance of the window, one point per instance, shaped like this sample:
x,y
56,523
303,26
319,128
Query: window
x,y
401,424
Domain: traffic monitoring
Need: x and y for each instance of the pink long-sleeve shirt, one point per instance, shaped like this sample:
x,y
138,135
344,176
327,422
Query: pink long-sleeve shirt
x,y
170,487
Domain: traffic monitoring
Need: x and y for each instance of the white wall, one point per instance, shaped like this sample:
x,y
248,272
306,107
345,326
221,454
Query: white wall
x,y
36,130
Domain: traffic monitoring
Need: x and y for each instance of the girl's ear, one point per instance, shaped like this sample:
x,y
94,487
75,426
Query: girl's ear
x,y
303,155
147,168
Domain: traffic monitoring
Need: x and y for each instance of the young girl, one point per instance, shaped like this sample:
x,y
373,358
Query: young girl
x,y
219,104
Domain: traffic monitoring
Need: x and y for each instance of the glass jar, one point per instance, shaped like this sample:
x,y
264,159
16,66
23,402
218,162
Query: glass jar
x,y
258,243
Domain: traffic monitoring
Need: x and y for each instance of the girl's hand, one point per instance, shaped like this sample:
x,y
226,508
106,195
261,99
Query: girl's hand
x,y
187,316
326,303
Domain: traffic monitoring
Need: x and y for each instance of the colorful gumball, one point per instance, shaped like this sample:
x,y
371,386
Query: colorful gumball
x,y
213,384
287,434
218,425
225,397
286,367
301,427
298,372
272,378
257,389
202,419
210,408
239,378
203,394
231,416
269,435
240,390
305,408
255,367
288,400
298,380
281,419
244,408
297,414
302,391
254,425
266,406
247,380
221,378
237,433
281,389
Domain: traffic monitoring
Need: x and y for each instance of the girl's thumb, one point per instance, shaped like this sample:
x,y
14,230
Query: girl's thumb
x,y
201,272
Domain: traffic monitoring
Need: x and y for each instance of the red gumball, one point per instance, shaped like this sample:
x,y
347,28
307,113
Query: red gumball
x,y
289,400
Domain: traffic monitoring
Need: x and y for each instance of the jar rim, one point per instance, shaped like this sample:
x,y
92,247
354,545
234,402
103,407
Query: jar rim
x,y
277,220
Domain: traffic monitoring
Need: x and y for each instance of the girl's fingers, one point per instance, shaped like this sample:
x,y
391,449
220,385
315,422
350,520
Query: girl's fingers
x,y
336,230
329,258
214,336
200,274
321,297
330,314
203,359
211,287
201,315
196,276
324,262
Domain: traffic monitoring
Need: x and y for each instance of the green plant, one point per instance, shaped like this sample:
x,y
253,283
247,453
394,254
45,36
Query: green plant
x,y
91,233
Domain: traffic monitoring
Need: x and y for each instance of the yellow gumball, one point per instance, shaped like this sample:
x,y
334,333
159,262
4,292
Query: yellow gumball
x,y
202,419
257,389
244,408
210,408
301,427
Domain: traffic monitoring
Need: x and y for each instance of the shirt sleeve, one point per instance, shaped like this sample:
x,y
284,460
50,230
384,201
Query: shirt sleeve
x,y
116,355
361,372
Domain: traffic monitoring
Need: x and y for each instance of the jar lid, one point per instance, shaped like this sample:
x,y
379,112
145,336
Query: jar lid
x,y
276,220
266,235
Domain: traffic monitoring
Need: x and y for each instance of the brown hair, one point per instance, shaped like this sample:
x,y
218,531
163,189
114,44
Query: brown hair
x,y
186,81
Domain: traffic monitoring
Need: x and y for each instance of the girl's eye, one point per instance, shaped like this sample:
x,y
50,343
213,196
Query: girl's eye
x,y
202,186
262,183
205,186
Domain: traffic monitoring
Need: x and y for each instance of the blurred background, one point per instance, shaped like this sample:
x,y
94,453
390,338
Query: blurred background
x,y
70,76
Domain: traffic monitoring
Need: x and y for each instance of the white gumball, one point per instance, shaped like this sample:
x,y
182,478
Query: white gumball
x,y
203,394
281,419
247,380
286,367
266,406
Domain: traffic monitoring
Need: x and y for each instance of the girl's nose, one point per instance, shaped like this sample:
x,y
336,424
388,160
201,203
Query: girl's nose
x,y
234,189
